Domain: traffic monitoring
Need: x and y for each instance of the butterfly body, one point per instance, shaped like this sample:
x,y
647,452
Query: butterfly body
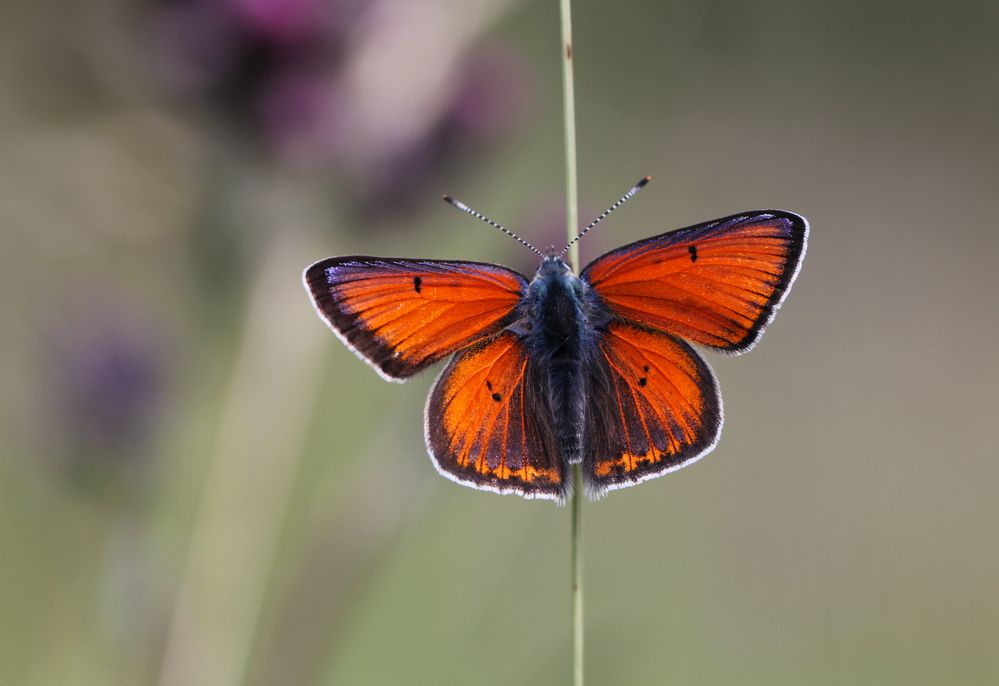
x,y
559,320
595,369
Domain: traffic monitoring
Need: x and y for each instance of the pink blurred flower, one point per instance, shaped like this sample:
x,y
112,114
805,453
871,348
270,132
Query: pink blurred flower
x,y
286,76
286,22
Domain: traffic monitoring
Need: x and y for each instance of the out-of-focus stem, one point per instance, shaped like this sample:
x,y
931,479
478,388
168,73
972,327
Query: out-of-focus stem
x,y
268,405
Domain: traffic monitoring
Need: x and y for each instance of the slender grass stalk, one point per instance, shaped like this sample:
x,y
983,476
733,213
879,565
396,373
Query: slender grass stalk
x,y
569,115
572,226
577,576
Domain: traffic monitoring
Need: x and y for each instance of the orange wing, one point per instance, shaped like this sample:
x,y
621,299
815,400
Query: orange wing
x,y
717,284
403,315
653,406
487,427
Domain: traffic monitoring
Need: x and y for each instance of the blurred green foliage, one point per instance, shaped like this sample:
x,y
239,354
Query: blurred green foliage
x,y
199,485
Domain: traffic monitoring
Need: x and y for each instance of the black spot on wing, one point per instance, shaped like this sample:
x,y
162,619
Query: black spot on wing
x,y
497,397
417,283
693,252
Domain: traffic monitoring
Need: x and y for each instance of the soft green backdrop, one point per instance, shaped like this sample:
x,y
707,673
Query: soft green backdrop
x,y
277,519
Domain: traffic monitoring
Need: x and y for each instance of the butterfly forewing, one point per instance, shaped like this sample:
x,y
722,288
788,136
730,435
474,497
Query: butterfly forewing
x,y
403,315
717,284
653,405
487,427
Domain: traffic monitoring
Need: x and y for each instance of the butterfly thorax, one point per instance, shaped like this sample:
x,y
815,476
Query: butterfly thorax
x,y
554,307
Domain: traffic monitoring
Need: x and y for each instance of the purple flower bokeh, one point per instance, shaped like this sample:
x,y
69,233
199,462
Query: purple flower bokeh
x,y
293,79
106,385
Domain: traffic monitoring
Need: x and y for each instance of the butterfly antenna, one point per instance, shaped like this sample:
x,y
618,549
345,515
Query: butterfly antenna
x,y
623,199
465,208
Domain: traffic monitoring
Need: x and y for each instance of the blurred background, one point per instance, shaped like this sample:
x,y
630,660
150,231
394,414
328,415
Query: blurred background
x,y
200,485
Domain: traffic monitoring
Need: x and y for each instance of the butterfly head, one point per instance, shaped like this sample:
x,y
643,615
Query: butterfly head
x,y
554,274
551,263
554,268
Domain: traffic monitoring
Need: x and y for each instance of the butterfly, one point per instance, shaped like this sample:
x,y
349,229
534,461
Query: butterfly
x,y
596,369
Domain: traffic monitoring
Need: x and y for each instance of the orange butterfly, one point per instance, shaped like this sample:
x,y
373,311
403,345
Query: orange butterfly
x,y
595,368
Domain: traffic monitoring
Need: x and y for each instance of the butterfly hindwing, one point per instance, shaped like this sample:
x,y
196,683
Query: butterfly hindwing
x,y
653,405
487,425
717,284
402,315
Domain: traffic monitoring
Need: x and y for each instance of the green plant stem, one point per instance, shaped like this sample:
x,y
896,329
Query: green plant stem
x,y
572,226
577,575
569,112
